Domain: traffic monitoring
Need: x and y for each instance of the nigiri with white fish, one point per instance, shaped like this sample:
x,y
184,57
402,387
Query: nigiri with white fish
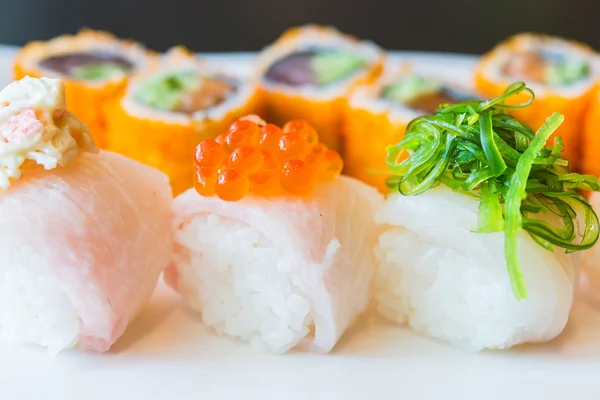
x,y
85,234
273,247
480,232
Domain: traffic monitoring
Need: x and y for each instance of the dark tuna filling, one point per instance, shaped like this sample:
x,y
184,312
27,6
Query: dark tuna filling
x,y
293,70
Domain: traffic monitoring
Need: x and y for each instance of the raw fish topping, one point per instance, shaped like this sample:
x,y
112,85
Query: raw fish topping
x,y
265,160
36,128
478,149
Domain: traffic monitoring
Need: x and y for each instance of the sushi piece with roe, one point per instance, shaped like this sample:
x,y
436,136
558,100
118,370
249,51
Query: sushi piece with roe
x,y
273,246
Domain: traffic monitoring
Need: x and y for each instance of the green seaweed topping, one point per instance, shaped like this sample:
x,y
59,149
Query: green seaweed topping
x,y
477,148
98,71
329,66
164,92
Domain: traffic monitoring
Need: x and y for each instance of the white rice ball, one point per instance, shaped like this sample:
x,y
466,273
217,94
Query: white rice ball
x,y
446,281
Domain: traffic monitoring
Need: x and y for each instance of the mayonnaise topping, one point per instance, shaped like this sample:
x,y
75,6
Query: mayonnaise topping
x,y
37,129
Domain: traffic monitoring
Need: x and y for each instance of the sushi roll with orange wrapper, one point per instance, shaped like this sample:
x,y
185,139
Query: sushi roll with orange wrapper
x,y
590,163
563,74
94,67
273,246
167,109
378,112
309,72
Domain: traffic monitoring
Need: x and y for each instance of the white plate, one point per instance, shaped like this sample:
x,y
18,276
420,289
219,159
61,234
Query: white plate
x,y
168,354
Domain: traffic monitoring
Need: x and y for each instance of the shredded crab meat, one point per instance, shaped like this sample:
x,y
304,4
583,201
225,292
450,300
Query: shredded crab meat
x,y
37,129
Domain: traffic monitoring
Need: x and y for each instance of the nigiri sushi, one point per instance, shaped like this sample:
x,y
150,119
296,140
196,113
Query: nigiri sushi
x,y
480,234
85,234
273,247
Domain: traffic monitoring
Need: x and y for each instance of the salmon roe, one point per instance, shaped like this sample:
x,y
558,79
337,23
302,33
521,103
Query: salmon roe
x,y
254,157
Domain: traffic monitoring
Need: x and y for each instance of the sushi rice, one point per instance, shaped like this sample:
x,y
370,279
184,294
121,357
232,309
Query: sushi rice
x,y
446,281
33,306
227,272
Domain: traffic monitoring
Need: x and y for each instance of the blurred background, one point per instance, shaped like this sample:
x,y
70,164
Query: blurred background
x,y
466,26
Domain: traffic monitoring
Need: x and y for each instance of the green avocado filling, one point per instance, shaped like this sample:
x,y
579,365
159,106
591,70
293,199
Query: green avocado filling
x,y
164,92
566,71
409,88
98,71
333,65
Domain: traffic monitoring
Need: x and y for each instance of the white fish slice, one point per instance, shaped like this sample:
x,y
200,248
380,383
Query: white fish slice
x,y
82,247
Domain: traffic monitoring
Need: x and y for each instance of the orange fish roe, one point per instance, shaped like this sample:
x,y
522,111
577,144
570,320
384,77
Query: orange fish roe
x,y
264,160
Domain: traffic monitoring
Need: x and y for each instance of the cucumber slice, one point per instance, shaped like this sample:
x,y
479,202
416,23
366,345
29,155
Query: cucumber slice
x,y
333,65
566,71
410,87
163,92
99,71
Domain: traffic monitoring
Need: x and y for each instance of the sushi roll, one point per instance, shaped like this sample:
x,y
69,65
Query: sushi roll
x,y
590,145
309,72
377,115
480,234
272,246
94,67
168,108
85,234
563,74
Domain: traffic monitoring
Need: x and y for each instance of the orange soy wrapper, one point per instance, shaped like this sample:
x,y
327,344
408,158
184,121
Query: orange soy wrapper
x,y
163,145
273,162
591,138
367,136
